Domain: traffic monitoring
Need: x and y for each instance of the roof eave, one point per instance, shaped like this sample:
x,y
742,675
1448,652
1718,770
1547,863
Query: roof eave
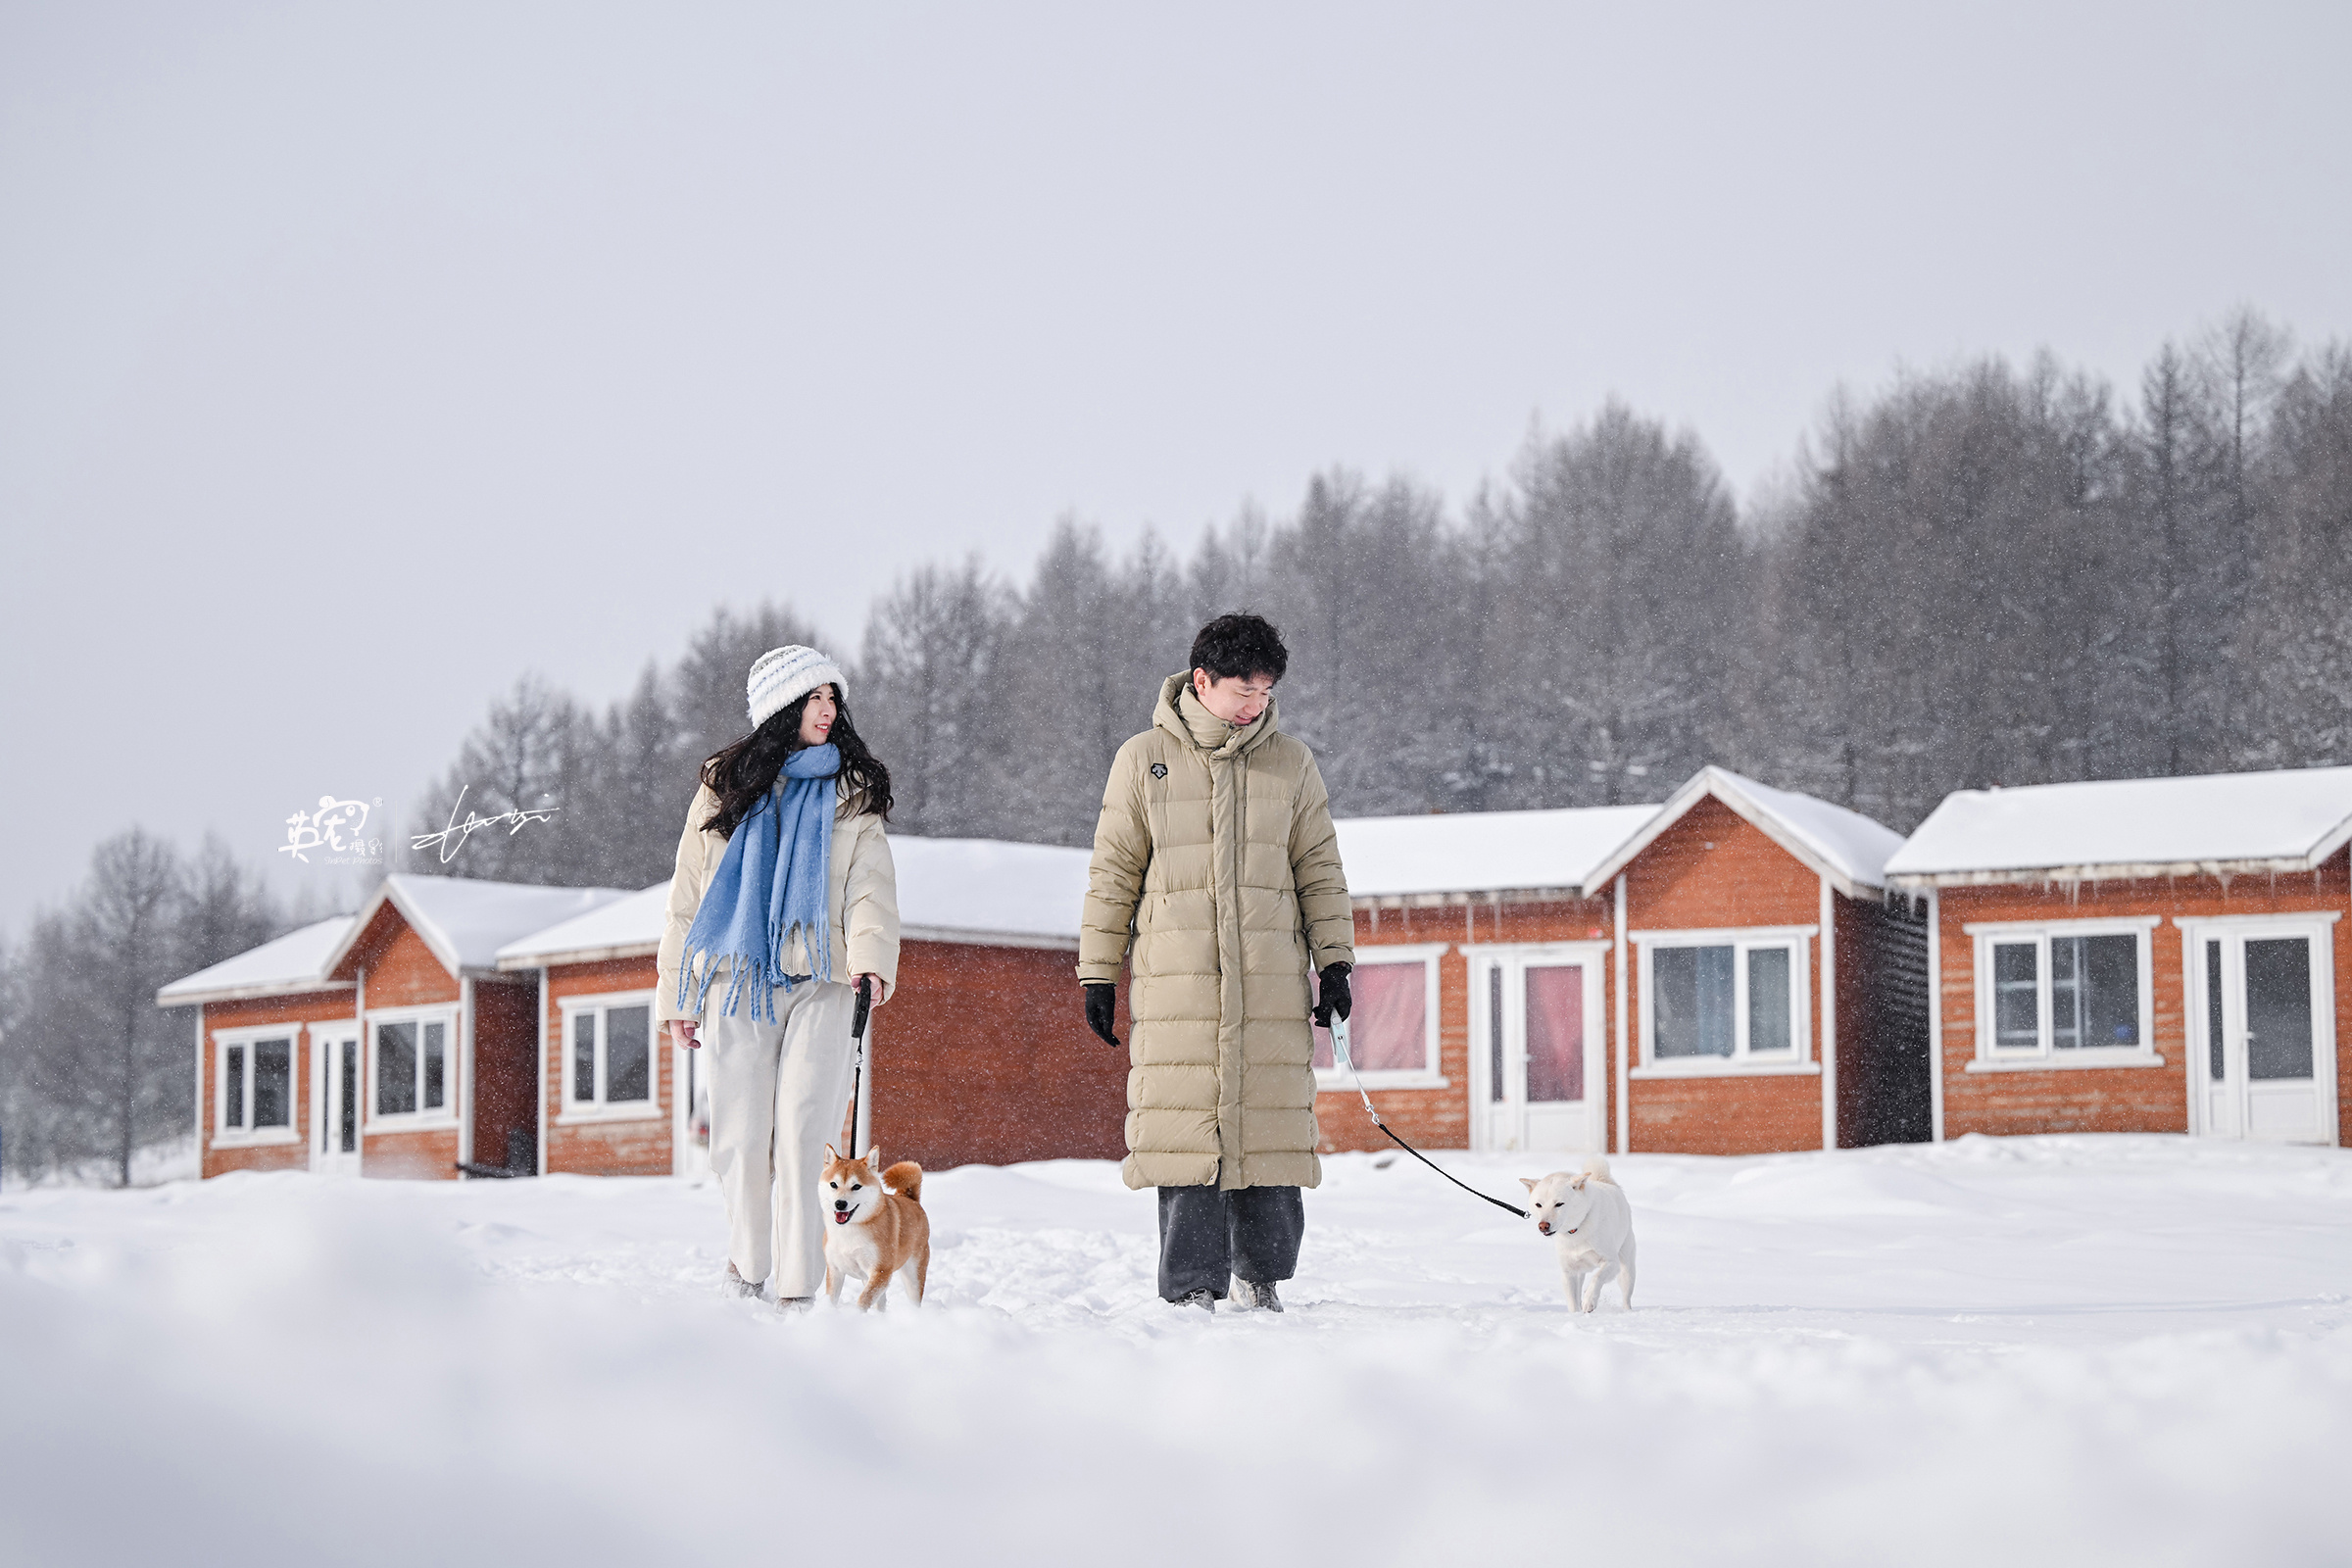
x,y
300,988
960,935
2109,871
966,937
510,963
1442,898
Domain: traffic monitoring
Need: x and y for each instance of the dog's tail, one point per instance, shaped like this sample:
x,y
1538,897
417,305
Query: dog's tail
x,y
1598,1169
906,1179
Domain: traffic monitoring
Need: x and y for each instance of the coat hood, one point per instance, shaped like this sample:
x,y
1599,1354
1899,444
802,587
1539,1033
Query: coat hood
x,y
1202,729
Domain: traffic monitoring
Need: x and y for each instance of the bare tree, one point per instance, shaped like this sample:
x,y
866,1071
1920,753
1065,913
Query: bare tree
x,y
705,691
931,654
535,753
128,949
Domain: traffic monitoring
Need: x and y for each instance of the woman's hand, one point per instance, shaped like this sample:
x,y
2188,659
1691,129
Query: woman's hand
x,y
880,986
683,1031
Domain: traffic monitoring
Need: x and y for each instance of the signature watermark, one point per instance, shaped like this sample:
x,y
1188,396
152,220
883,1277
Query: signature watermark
x,y
325,831
451,839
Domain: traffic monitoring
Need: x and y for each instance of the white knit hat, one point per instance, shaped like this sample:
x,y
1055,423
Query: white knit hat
x,y
782,675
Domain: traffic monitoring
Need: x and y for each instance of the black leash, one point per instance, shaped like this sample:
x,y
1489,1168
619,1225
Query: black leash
x,y
865,1005
1339,1048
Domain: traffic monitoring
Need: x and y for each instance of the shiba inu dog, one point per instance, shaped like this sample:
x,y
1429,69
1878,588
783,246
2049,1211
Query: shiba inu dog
x,y
875,1229
1588,1218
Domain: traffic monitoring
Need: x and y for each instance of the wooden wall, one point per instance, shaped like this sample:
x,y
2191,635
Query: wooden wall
x,y
982,1056
1711,871
316,1007
403,972
636,1147
1439,1118
2115,1100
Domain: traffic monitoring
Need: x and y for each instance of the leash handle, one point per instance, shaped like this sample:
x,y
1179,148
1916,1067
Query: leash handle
x,y
1339,1053
865,1005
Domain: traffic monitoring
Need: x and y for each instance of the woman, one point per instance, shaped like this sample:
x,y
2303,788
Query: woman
x,y
783,842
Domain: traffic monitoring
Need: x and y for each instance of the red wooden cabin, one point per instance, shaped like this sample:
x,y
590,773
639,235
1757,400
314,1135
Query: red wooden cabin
x,y
2140,956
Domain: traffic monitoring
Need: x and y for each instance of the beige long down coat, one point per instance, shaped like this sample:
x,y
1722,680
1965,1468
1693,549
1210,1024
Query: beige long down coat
x,y
1215,851
861,904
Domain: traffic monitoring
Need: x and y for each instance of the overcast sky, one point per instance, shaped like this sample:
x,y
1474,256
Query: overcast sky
x,y
355,361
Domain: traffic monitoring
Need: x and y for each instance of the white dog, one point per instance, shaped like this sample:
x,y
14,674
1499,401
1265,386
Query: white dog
x,y
1589,1220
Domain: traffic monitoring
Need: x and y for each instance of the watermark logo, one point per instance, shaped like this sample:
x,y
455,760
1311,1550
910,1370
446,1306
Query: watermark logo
x,y
451,839
325,831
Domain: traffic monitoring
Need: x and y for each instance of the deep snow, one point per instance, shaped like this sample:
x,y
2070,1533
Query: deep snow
x,y
2112,1349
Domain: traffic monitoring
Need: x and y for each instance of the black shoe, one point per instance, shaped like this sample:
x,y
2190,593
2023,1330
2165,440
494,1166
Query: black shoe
x,y
1251,1297
1204,1299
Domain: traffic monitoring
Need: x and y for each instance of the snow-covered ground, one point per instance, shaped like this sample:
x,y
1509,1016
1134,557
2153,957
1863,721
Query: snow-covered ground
x,y
2115,1349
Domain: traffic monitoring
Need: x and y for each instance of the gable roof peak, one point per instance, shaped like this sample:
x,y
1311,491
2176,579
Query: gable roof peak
x,y
1833,841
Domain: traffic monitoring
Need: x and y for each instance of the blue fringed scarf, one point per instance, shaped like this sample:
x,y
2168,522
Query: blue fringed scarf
x,y
772,883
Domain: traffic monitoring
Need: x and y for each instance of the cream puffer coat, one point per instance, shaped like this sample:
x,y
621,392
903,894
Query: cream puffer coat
x,y
1216,850
862,903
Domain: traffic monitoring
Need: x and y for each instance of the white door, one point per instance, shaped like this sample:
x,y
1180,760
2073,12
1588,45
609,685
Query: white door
x,y
1539,1069
2265,1049
335,1098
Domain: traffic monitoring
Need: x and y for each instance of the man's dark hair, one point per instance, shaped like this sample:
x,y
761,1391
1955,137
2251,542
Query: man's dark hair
x,y
1240,643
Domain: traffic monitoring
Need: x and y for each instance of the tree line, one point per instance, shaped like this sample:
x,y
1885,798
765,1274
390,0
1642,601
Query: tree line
x,y
1984,575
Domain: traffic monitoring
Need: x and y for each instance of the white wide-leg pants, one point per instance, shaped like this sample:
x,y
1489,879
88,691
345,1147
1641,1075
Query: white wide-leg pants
x,y
778,1095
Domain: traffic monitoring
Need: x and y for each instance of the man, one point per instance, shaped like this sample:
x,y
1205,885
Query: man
x,y
1215,853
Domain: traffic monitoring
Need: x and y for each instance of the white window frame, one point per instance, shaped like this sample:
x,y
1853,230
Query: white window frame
x,y
1430,1074
601,1003
244,1038
421,1119
2044,1054
1798,1058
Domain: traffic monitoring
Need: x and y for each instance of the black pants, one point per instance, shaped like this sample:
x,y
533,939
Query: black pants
x,y
1207,1234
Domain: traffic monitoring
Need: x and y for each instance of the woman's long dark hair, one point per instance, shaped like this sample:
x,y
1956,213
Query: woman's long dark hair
x,y
740,773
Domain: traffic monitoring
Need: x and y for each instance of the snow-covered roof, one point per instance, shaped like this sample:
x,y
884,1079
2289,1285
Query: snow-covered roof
x,y
984,889
627,927
466,921
295,961
950,890
1845,846
2210,825
1482,852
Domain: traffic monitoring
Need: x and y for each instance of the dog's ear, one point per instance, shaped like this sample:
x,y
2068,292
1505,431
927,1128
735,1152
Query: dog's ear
x,y
1528,1182
872,1163
831,1158
1579,1182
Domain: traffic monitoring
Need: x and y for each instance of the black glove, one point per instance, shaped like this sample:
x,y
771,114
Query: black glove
x,y
1336,996
1102,1007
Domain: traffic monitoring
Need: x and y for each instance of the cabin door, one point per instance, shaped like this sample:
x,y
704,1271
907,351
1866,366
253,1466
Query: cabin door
x,y
335,1098
1538,1072
2264,1059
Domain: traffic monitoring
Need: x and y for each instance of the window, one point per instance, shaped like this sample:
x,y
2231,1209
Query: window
x,y
412,1066
609,1054
2074,992
255,1097
1731,998
1393,1027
